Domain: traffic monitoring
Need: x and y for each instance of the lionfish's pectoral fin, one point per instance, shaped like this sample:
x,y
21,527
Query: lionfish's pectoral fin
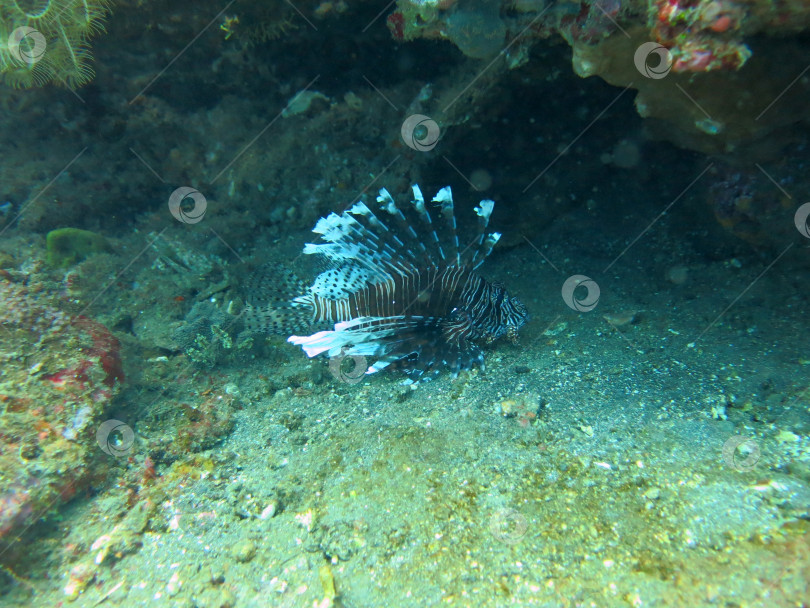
x,y
453,357
380,340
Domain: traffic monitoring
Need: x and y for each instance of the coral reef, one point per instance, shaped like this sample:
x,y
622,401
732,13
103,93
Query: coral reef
x,y
747,204
59,375
42,42
716,112
703,96
696,34
701,35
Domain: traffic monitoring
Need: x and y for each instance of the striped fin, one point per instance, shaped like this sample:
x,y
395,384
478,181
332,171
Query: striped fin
x,y
485,249
445,198
415,343
419,204
350,242
400,253
274,303
358,237
363,250
483,243
388,204
386,339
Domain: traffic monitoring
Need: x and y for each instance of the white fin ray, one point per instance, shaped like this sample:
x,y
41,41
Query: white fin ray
x,y
365,337
445,198
363,244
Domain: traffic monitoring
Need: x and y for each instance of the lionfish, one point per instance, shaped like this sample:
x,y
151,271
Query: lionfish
x,y
393,293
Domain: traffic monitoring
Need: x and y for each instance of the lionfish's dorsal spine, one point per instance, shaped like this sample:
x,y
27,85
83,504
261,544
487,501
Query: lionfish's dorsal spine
x,y
419,251
391,248
445,198
483,246
349,242
419,204
359,239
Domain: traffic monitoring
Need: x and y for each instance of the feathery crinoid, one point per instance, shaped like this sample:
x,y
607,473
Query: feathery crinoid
x,y
44,41
395,291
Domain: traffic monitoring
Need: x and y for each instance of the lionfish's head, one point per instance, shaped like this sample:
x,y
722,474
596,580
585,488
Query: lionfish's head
x,y
506,315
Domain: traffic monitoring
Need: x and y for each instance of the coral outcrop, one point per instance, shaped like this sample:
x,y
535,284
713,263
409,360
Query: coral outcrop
x,y
705,70
59,374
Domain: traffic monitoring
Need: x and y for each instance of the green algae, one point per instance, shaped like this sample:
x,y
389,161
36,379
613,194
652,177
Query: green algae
x,y
67,246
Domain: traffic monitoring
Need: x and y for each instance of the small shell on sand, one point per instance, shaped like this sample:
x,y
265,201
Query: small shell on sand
x,y
618,319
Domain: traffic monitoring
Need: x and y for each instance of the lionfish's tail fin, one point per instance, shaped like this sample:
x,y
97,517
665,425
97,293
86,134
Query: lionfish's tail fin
x,y
278,302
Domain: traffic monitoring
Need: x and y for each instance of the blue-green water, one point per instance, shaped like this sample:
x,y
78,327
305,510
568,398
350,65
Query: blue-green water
x,y
643,442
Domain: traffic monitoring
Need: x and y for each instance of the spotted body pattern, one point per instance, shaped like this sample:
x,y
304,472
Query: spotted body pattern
x,y
395,294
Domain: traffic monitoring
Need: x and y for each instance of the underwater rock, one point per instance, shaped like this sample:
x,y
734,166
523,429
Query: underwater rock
x,y
748,205
244,551
477,29
716,112
304,102
716,71
60,374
